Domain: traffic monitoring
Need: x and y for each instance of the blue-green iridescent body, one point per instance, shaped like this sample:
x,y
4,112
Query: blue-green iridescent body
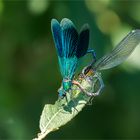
x,y
66,86
70,46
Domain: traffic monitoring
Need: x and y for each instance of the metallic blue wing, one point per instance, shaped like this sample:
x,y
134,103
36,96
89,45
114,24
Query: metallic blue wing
x,y
68,62
66,40
57,36
83,41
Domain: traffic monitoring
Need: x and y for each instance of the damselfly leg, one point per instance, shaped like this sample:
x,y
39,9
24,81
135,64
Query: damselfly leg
x,y
62,94
93,54
91,94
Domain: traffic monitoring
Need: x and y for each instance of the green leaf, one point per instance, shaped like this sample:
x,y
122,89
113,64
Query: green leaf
x,y
57,115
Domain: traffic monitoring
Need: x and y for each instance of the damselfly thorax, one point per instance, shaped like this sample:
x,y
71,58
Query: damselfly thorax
x,y
66,83
65,87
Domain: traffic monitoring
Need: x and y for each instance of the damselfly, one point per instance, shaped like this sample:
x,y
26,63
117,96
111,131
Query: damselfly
x,y
70,46
118,55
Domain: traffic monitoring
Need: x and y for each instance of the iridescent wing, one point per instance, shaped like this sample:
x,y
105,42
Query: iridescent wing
x,y
66,40
83,41
57,36
120,53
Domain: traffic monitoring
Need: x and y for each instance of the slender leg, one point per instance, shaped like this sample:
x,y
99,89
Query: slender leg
x,y
101,84
89,93
82,89
66,98
93,54
62,94
90,101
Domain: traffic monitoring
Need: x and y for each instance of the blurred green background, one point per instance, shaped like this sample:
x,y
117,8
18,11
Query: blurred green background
x,y
30,77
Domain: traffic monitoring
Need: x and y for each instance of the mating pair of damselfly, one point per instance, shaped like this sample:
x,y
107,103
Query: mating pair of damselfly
x,y
71,46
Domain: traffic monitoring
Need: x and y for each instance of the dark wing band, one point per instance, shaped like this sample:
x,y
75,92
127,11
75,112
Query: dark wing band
x,y
83,41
